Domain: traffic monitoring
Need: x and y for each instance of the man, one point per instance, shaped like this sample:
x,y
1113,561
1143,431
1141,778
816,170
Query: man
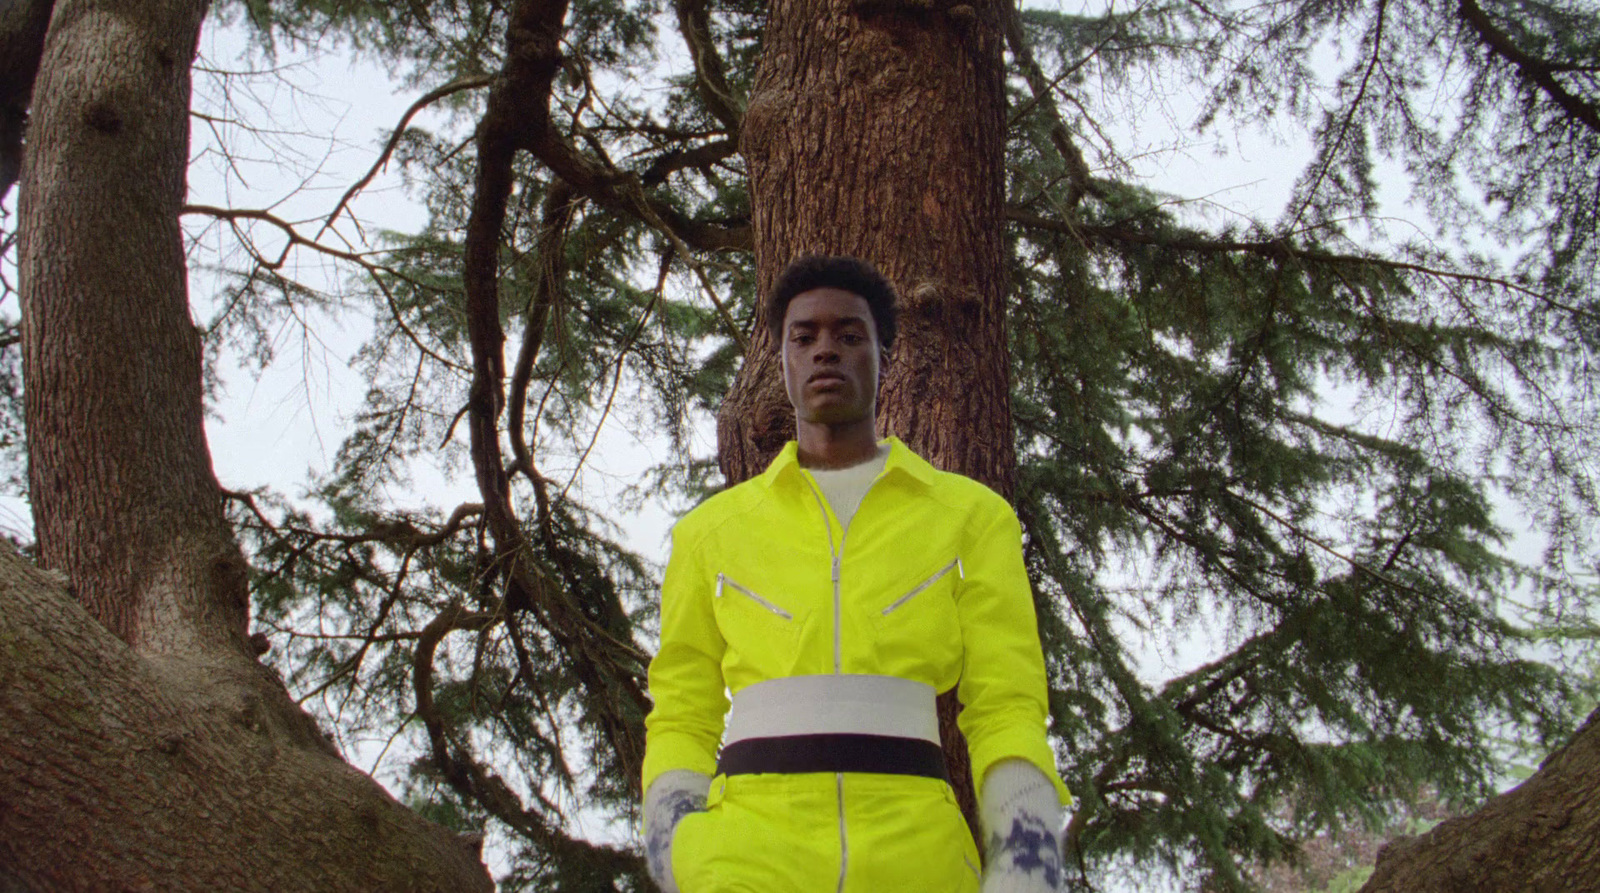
x,y
834,596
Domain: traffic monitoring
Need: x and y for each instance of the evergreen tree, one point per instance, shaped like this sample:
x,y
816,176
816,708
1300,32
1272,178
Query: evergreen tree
x,y
1170,444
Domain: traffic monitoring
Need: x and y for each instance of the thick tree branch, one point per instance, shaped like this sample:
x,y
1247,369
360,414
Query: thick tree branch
x,y
560,206
701,156
559,209
609,670
623,192
1539,836
1537,72
529,78
117,772
710,75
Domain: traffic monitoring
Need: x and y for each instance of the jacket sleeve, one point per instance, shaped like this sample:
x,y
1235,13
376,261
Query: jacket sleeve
x,y
686,686
1003,688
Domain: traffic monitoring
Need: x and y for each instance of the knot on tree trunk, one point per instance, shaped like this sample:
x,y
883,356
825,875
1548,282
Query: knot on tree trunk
x,y
938,303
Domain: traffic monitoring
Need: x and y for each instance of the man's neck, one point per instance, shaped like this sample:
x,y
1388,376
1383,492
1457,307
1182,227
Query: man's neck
x,y
828,446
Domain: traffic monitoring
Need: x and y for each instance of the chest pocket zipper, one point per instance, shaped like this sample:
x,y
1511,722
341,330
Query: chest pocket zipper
x,y
724,582
937,576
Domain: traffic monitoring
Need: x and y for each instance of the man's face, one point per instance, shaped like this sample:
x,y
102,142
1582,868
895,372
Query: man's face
x,y
831,357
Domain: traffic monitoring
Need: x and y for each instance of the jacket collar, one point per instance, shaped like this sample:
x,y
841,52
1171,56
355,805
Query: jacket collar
x,y
901,461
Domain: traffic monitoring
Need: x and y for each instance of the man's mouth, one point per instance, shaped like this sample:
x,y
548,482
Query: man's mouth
x,y
825,378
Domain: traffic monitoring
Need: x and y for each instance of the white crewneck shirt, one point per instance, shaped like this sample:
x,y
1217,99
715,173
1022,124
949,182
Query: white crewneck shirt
x,y
844,488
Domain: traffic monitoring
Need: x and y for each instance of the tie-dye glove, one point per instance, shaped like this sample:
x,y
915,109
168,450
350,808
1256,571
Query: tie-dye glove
x,y
1021,819
673,795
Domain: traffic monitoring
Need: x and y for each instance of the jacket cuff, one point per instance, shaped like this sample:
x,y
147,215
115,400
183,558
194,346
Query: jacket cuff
x,y
666,752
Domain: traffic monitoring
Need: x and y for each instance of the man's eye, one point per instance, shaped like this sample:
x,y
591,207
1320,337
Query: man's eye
x,y
852,338
801,338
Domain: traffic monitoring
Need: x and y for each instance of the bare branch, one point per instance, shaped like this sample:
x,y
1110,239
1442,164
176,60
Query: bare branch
x,y
1307,536
1349,119
617,367
375,271
429,98
1110,235
399,532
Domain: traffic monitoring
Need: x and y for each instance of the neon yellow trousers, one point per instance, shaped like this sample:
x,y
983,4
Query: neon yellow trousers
x,y
788,834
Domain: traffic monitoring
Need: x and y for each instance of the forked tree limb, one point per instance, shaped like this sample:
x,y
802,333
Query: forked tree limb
x,y
609,671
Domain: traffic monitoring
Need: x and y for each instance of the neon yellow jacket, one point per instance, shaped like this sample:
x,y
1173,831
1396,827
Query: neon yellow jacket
x,y
928,584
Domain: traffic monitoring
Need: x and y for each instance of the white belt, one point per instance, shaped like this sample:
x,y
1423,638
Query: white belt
x,y
847,704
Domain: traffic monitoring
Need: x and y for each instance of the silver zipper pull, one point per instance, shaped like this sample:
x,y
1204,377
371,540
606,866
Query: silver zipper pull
x,y
720,579
961,572
835,568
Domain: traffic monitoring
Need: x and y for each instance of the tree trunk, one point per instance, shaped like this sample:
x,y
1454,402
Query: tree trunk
x,y
1543,836
142,746
124,499
877,129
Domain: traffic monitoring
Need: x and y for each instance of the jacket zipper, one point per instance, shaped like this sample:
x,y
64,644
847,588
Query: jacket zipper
x,y
844,840
837,553
722,580
955,565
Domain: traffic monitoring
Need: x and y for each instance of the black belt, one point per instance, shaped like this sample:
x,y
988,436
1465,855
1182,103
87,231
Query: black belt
x,y
883,754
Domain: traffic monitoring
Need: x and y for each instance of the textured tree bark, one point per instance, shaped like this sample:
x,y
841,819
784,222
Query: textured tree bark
x,y
122,773
877,129
1543,836
120,477
142,746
